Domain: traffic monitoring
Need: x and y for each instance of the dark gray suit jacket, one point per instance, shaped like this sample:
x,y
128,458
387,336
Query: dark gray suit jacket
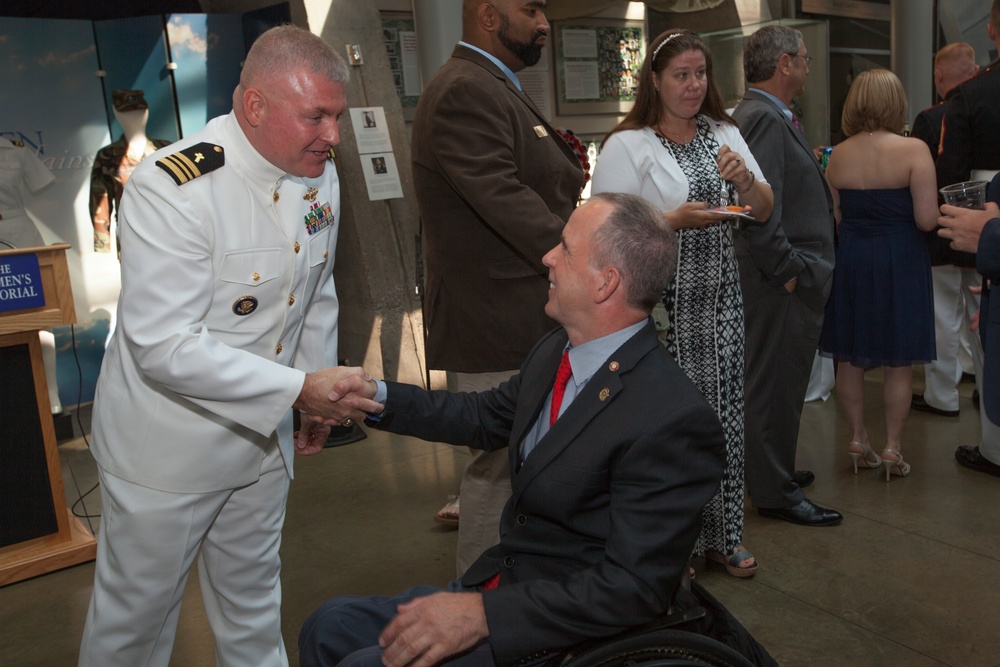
x,y
606,509
797,240
495,185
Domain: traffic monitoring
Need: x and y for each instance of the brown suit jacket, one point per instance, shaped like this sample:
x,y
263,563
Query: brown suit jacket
x,y
495,185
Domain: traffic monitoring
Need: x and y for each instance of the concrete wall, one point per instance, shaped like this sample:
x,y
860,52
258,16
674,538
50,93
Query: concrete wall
x,y
381,326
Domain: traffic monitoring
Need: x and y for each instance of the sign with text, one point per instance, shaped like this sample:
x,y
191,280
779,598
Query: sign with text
x,y
20,283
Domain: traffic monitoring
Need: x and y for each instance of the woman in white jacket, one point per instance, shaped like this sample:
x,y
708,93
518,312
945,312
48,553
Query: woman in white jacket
x,y
680,150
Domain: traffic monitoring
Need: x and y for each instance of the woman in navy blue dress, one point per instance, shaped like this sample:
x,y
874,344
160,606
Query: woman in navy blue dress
x,y
881,310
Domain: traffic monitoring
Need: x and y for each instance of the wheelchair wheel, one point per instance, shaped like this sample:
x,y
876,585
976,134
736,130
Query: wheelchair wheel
x,y
661,648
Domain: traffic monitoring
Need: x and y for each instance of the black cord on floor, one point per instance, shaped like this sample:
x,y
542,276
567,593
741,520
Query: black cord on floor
x,y
81,499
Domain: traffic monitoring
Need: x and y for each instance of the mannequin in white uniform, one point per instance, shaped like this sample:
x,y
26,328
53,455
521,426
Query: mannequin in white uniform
x,y
21,171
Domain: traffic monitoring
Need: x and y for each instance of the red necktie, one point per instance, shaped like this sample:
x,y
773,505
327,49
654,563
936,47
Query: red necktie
x,y
796,123
559,388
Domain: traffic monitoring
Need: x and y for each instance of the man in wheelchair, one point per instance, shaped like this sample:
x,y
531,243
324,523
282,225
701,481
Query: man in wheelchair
x,y
609,479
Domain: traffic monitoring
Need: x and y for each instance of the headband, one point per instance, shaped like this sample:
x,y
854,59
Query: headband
x,y
661,45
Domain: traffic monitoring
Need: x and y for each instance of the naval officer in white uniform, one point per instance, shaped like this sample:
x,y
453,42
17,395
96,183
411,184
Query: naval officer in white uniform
x,y
226,321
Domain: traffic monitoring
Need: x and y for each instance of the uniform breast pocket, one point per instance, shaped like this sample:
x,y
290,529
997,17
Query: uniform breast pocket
x,y
248,294
319,248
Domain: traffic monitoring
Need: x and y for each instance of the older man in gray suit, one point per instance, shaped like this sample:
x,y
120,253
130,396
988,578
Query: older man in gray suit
x,y
785,269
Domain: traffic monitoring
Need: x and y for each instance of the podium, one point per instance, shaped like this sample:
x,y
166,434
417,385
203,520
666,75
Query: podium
x,y
38,534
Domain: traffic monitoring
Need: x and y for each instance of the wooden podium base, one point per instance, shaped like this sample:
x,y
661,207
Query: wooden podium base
x,y
47,554
38,533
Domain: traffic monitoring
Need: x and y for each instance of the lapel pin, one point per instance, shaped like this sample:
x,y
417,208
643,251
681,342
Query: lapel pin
x,y
540,131
613,366
604,394
310,194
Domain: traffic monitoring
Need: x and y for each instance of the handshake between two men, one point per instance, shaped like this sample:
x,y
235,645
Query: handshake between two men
x,y
332,397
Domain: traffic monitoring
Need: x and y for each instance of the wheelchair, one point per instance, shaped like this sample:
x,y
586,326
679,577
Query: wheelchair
x,y
697,631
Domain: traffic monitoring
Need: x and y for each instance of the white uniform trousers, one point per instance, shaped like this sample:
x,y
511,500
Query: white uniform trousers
x,y
485,484
148,541
954,306
822,379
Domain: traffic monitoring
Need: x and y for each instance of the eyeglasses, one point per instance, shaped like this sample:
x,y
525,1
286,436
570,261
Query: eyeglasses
x,y
808,59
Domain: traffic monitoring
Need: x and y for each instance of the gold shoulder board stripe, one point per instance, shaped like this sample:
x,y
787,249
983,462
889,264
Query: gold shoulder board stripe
x,y
192,162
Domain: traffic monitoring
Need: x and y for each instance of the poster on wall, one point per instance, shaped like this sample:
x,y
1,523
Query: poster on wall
x,y
375,152
400,38
597,62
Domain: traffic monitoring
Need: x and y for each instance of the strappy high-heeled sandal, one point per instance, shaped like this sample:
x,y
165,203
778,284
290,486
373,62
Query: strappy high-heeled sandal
x,y
859,452
896,462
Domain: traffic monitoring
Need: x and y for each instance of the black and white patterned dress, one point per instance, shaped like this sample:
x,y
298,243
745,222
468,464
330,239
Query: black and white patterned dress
x,y
704,304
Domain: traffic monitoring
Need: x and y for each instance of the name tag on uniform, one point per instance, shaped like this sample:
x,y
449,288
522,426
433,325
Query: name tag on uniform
x,y
541,131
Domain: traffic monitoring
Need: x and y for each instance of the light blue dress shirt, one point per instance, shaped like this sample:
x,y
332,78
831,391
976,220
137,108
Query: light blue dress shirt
x,y
781,105
503,68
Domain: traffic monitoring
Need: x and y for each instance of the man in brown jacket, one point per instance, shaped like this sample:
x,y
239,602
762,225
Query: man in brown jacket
x,y
495,185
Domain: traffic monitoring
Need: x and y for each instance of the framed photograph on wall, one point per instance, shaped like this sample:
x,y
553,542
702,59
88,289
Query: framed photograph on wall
x,y
597,65
400,39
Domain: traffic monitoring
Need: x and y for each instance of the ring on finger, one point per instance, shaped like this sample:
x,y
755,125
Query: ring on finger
x,y
348,422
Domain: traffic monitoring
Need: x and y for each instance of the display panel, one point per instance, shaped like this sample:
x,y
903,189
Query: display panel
x,y
597,65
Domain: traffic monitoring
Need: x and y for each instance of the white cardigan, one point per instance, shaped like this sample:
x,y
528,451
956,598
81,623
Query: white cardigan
x,y
635,162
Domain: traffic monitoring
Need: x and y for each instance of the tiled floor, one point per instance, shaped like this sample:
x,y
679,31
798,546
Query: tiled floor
x,y
910,578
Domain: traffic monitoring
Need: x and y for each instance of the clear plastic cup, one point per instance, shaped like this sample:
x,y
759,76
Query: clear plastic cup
x,y
971,194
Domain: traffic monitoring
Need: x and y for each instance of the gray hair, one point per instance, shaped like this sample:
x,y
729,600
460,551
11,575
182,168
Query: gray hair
x,y
636,240
764,49
287,47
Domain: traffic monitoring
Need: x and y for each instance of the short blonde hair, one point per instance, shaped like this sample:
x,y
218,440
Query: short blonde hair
x,y
876,101
959,52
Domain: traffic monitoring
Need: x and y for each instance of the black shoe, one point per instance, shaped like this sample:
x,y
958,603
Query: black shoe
x,y
803,478
918,403
806,513
971,458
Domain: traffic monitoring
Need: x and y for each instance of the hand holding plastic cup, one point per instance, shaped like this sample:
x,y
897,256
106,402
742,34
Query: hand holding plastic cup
x,y
970,194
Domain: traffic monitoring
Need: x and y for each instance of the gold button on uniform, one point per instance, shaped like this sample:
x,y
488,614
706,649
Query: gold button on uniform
x,y
326,253
277,350
297,247
291,299
276,196
256,277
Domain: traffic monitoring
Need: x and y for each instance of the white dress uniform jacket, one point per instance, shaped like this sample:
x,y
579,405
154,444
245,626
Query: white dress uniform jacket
x,y
227,301
20,171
